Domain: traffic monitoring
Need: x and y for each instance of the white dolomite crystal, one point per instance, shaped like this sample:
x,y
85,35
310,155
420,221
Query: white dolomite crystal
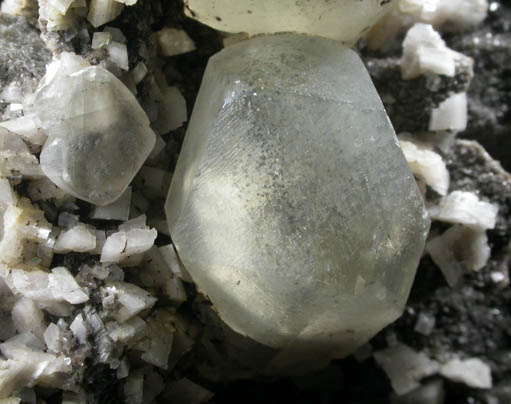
x,y
451,114
80,238
405,367
64,286
27,317
174,41
452,15
16,158
101,40
99,136
103,11
473,372
343,20
425,52
292,205
427,164
462,207
458,248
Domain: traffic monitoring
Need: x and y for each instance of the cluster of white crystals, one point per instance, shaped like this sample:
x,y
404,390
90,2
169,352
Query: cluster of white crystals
x,y
446,16
426,164
60,319
406,367
464,245
288,135
343,20
98,135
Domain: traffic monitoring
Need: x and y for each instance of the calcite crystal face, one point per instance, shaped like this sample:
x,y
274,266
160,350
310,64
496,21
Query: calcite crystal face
x,y
292,205
342,20
98,135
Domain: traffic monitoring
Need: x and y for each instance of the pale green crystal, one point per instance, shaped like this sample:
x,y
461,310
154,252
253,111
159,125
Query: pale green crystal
x,y
343,20
292,205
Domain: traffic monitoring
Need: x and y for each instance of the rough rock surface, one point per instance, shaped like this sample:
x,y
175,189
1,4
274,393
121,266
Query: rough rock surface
x,y
23,57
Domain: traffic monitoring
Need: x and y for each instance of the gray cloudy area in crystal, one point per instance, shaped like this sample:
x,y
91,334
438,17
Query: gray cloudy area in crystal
x,y
292,205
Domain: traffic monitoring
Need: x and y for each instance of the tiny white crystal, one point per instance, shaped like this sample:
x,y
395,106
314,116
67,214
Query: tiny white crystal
x,y
79,329
26,127
174,41
24,229
473,372
103,11
118,54
32,284
99,136
343,20
427,164
60,5
127,331
458,248
118,210
64,286
405,367
127,242
101,39
461,207
425,324
27,317
451,114
131,299
52,337
425,52
79,238
139,72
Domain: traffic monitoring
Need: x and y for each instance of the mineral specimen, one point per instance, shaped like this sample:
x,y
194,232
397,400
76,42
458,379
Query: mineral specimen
x,y
292,205
343,20
98,135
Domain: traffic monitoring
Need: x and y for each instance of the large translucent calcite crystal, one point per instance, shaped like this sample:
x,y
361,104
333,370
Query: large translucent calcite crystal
x,y
98,135
292,205
343,20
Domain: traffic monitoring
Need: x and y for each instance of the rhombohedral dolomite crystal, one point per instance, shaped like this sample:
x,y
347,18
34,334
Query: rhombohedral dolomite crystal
x,y
292,205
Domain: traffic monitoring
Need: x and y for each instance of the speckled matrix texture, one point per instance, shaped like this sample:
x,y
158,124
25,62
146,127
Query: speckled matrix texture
x,y
23,55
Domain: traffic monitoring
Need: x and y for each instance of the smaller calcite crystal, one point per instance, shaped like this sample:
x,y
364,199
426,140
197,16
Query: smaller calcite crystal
x,y
98,135
342,20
